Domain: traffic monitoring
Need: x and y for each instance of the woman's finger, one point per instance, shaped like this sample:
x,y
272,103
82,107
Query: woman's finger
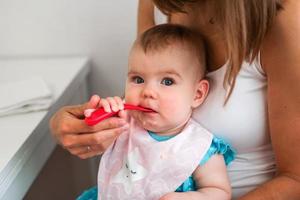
x,y
81,127
88,112
90,154
70,125
70,131
69,119
123,114
93,138
110,123
95,149
79,150
78,110
90,151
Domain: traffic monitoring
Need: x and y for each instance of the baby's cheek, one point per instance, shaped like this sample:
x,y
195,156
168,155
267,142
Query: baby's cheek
x,y
131,99
176,109
131,95
170,106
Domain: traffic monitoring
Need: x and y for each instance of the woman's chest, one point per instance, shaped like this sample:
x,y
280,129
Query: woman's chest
x,y
243,120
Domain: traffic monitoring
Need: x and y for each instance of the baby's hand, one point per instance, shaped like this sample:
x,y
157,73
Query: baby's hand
x,y
110,104
115,104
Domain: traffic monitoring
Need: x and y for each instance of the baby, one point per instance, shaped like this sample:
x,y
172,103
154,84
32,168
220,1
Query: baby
x,y
166,154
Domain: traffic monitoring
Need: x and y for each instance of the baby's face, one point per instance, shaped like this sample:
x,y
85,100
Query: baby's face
x,y
165,81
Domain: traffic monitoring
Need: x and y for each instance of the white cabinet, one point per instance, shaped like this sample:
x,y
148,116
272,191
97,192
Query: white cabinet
x,y
25,140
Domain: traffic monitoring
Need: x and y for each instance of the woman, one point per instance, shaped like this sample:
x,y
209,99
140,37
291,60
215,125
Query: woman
x,y
253,49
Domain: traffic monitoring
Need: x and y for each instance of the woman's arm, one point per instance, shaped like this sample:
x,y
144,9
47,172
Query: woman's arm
x,y
145,16
212,181
281,61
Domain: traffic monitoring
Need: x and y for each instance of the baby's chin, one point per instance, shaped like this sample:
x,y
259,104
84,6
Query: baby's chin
x,y
150,125
153,124
146,124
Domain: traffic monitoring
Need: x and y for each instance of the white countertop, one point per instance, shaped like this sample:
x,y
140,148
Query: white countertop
x,y
20,134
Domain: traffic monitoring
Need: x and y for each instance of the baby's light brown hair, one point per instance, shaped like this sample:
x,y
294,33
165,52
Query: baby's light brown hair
x,y
160,37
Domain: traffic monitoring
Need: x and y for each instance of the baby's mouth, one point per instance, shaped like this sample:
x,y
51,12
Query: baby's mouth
x,y
149,110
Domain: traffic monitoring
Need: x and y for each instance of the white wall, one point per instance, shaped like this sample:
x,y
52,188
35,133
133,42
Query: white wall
x,y
101,29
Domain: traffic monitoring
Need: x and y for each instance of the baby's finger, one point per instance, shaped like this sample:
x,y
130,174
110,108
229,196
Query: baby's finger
x,y
113,104
105,104
119,102
94,101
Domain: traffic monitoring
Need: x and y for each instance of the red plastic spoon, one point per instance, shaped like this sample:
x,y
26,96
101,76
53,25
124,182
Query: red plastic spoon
x,y
100,114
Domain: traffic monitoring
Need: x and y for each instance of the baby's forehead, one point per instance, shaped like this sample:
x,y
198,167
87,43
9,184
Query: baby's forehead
x,y
160,62
163,46
175,50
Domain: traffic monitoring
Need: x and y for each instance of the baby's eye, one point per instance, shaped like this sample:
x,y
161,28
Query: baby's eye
x,y
137,80
167,81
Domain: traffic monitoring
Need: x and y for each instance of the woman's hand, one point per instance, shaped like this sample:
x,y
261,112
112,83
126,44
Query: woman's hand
x,y
69,129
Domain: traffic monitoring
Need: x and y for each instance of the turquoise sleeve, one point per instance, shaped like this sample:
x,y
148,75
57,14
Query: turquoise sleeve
x,y
90,194
219,146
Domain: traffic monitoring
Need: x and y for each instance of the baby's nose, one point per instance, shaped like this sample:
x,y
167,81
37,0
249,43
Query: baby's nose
x,y
149,92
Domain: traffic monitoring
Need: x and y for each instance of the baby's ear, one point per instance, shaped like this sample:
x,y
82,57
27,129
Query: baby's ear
x,y
201,92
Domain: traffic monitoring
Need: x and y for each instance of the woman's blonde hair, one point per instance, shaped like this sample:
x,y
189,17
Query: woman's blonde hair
x,y
244,22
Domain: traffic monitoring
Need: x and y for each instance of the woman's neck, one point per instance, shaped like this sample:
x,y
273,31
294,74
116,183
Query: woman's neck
x,y
213,36
216,53
210,31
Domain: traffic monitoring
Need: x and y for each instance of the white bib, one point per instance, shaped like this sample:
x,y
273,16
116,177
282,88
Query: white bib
x,y
136,166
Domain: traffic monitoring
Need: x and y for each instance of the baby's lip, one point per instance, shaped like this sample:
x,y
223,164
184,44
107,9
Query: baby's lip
x,y
148,107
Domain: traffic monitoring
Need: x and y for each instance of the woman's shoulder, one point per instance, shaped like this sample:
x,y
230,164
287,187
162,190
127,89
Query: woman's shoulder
x,y
281,44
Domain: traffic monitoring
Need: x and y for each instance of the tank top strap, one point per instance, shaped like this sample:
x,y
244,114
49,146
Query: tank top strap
x,y
257,65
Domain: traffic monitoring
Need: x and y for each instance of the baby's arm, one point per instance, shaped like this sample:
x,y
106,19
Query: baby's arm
x,y
211,180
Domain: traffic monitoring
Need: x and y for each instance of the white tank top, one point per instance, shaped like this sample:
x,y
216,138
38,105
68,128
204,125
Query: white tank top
x,y
159,17
243,122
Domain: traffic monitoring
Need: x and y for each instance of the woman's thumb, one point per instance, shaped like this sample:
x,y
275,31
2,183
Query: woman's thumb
x,y
79,109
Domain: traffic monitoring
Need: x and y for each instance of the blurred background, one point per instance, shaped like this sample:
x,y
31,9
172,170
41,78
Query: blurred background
x,y
102,30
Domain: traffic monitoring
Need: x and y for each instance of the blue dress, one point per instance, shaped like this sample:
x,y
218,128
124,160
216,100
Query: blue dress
x,y
218,146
